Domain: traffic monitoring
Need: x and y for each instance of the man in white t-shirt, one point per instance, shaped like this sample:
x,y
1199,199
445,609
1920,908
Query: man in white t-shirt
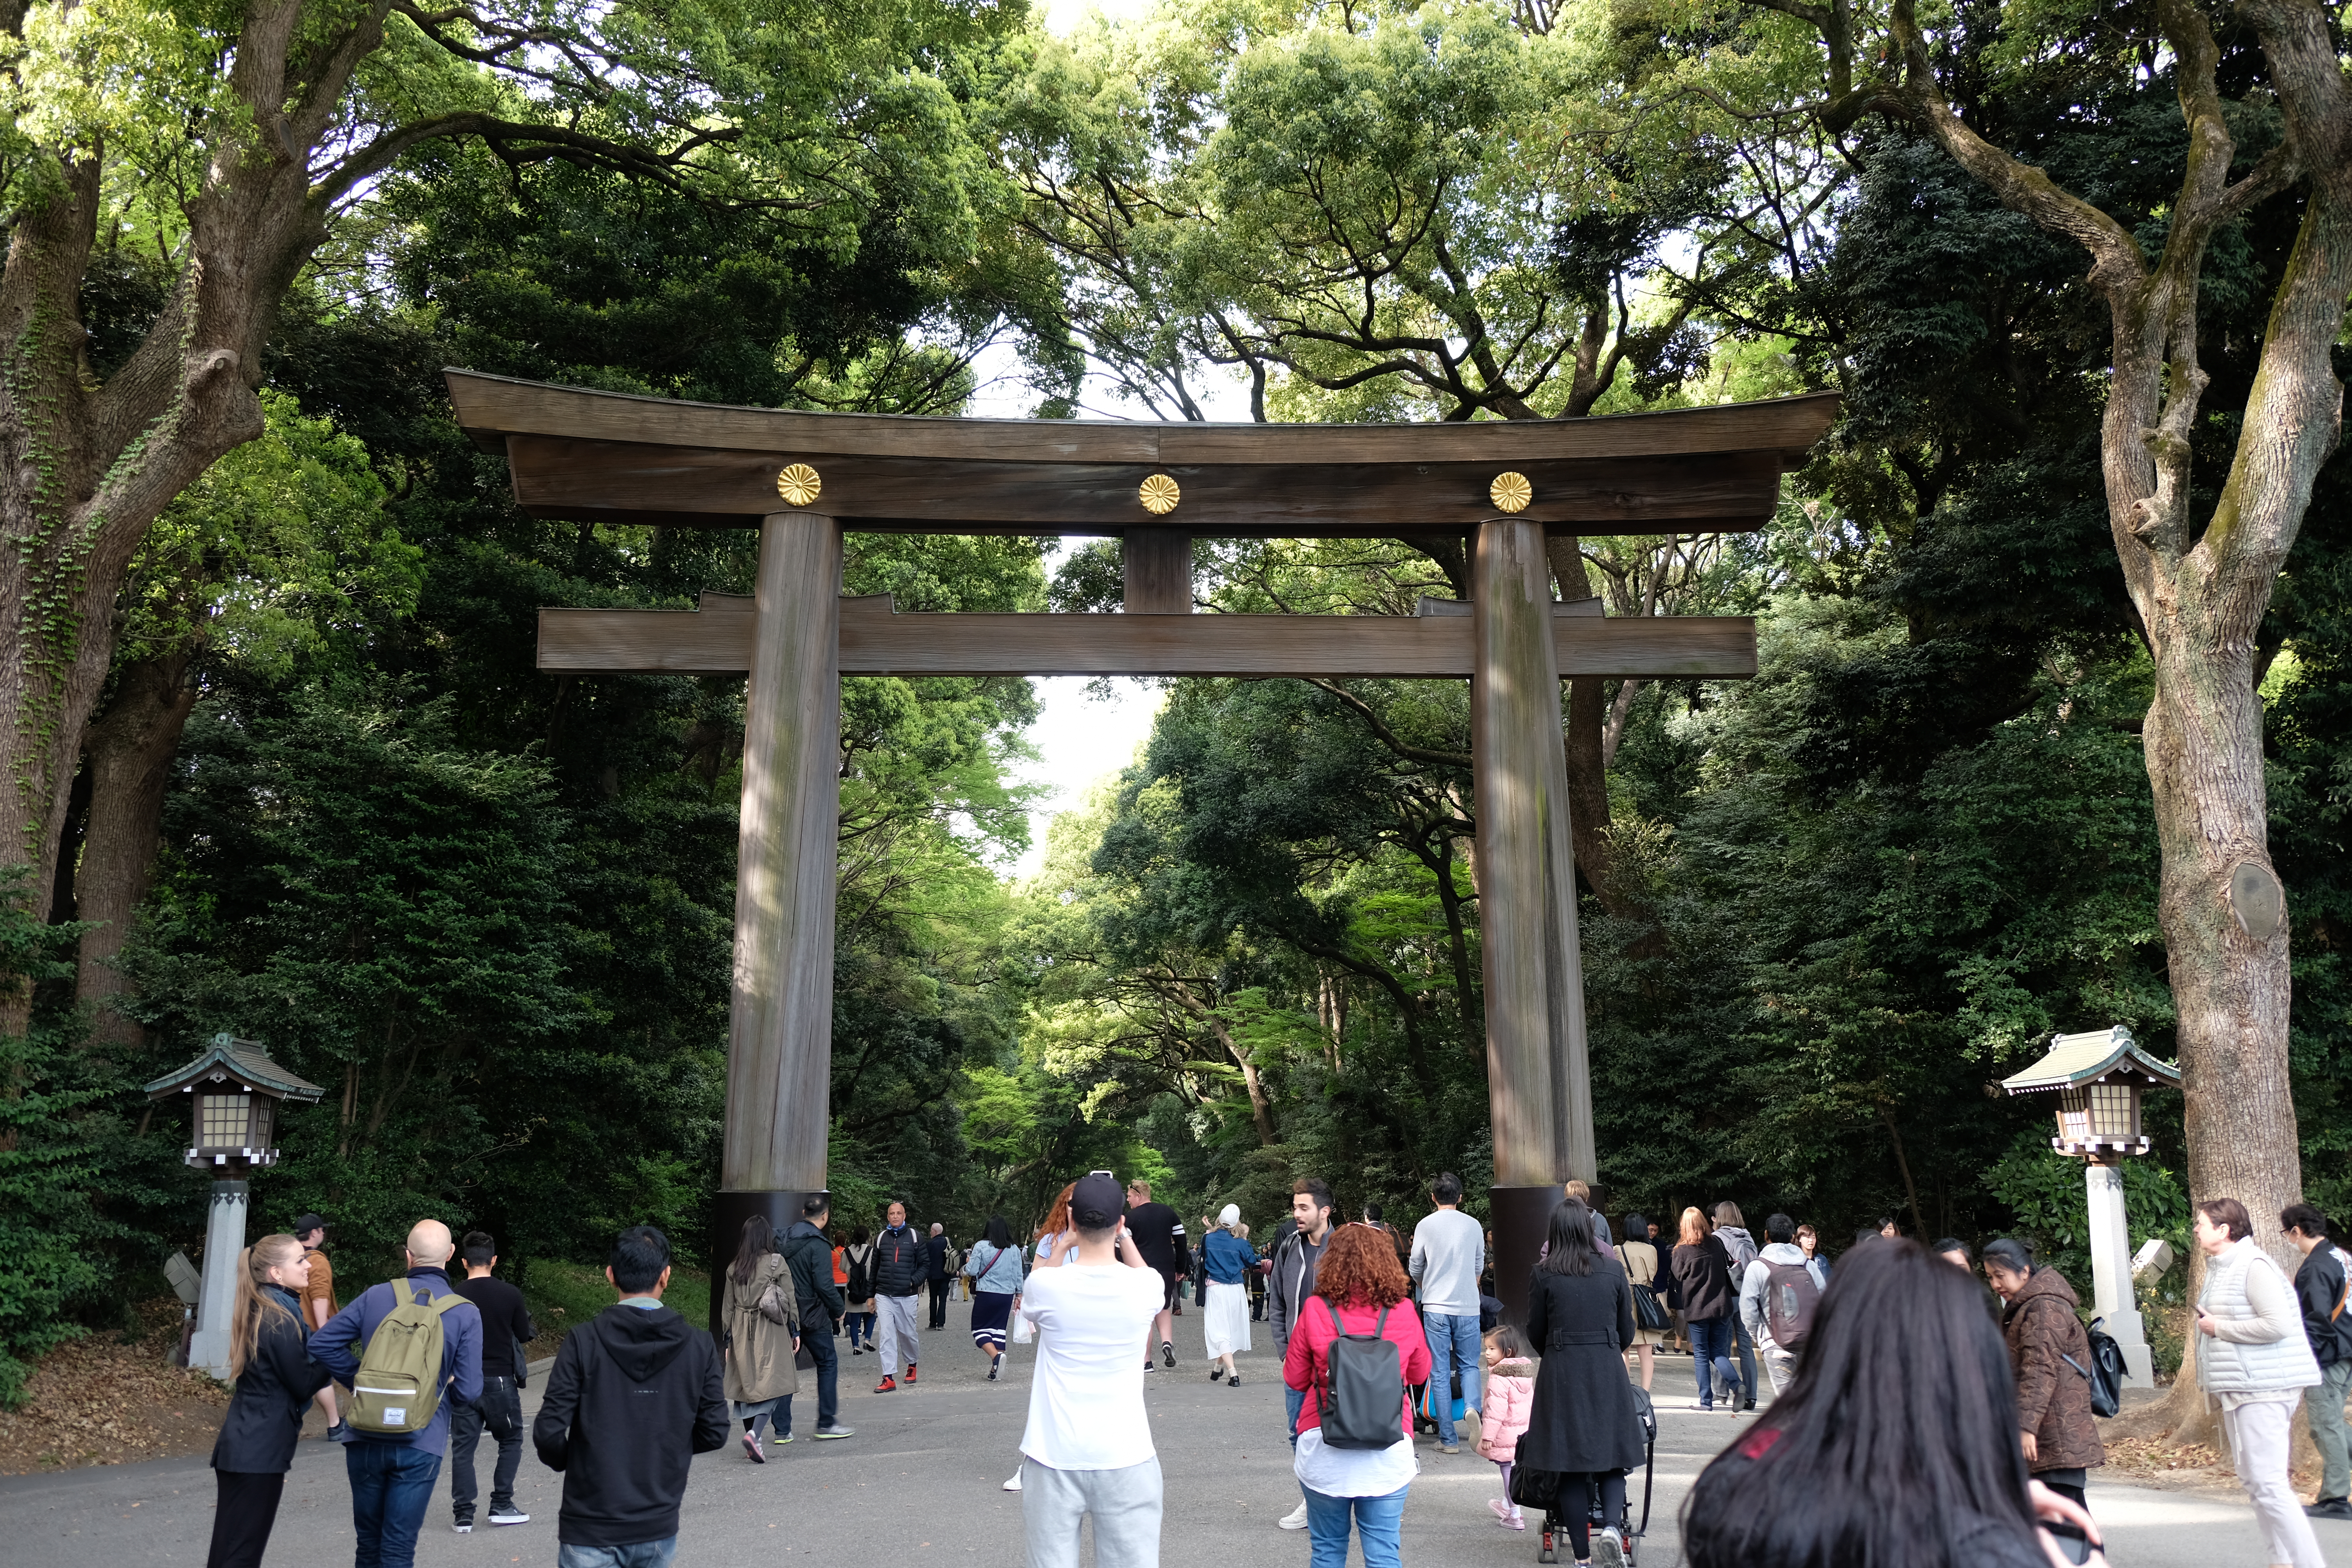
x,y
1088,1446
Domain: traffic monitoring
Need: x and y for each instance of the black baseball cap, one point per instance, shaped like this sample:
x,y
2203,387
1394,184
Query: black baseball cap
x,y
308,1223
1097,1203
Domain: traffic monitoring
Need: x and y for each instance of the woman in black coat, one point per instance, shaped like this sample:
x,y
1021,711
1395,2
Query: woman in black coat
x,y
1702,1271
1584,1424
270,1359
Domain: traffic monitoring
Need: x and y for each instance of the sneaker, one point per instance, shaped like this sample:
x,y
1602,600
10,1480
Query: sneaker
x,y
825,1433
1296,1519
887,1386
464,1526
910,1375
1167,1354
1014,1484
2330,1508
752,1447
780,1439
508,1515
992,1371
1609,1548
1151,1366
1500,1507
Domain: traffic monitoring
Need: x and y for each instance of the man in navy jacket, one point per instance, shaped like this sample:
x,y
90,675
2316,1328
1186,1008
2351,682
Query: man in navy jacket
x,y
392,1476
637,1392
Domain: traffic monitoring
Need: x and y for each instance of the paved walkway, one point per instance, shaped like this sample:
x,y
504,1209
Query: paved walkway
x,y
920,1484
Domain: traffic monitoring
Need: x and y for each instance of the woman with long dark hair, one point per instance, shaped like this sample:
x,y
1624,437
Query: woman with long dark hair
x,y
270,1362
993,1267
1641,1262
1896,1446
762,1317
1585,1426
857,1265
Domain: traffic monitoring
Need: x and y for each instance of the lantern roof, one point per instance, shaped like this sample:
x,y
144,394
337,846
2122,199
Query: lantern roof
x,y
2075,1059
243,1062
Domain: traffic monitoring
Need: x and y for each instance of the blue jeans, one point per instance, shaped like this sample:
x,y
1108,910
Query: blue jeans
x,y
1379,1520
1711,1346
391,1486
861,1328
1747,1356
827,1356
639,1554
1293,1401
1453,1343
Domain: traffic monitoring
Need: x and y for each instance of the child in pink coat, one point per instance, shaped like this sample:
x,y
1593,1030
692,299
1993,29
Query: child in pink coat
x,y
1510,1399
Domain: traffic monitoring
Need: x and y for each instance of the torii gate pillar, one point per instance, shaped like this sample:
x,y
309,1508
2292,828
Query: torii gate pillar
x,y
1539,1092
780,1029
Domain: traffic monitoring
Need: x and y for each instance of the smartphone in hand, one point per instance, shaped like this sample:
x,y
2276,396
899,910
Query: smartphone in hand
x,y
2074,1543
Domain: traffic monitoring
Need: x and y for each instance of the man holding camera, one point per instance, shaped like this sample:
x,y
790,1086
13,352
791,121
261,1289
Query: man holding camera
x,y
1087,1448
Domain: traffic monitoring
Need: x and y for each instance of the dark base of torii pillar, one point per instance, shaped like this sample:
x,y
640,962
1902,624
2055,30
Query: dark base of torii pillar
x,y
780,1029
1539,1082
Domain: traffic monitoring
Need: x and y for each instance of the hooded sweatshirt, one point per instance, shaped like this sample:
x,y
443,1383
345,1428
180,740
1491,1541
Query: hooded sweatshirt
x,y
1757,1277
636,1394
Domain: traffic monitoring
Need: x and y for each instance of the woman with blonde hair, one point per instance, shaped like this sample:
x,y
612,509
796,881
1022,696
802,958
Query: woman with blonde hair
x,y
270,1362
1702,1272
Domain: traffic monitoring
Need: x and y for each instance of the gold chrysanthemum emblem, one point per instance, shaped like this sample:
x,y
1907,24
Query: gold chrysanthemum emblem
x,y
1159,495
1511,492
798,485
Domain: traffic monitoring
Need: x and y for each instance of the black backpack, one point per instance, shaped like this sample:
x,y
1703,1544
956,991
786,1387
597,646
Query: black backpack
x,y
861,1278
2105,1371
1362,1392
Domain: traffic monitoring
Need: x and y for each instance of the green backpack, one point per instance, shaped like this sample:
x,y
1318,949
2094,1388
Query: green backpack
x,y
399,1383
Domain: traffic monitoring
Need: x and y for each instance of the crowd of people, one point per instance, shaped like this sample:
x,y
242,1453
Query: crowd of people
x,y
1918,1414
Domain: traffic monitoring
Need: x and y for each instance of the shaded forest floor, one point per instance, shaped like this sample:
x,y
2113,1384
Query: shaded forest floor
x,y
114,1398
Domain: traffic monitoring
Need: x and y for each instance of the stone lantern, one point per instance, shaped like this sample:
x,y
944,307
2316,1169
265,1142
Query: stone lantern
x,y
232,1091
2098,1078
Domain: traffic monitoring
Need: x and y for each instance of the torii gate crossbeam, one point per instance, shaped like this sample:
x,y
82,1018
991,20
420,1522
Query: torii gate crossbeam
x,y
1501,486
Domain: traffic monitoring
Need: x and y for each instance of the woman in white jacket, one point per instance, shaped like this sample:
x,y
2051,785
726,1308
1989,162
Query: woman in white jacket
x,y
2255,1362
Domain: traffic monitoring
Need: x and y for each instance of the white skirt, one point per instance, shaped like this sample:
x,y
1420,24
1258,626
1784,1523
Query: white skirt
x,y
1229,1320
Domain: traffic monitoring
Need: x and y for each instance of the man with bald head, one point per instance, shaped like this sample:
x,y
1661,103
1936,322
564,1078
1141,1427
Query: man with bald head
x,y
393,1475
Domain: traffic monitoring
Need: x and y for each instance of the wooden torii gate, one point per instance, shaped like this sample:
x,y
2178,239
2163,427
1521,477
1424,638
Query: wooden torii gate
x,y
800,479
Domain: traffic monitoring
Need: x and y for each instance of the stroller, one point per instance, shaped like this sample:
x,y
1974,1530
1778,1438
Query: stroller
x,y
1590,1501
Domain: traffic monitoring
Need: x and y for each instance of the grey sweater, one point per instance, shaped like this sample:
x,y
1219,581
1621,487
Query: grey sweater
x,y
1447,1249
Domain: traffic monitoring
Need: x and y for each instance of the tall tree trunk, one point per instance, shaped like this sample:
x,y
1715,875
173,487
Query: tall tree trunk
x,y
2201,591
129,755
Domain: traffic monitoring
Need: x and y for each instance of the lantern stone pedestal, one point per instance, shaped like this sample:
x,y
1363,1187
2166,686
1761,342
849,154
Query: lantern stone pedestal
x,y
2111,1279
224,1243
233,1090
2098,1077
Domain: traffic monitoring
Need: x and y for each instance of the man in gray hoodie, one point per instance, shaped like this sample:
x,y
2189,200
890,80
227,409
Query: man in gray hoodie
x,y
1782,1263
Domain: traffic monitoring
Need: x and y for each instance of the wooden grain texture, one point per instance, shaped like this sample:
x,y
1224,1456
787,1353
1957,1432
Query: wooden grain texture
x,y
779,1022
491,407
1538,1079
874,640
1156,571
565,478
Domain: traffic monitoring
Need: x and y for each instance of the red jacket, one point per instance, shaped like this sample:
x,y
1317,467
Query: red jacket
x,y
1306,1363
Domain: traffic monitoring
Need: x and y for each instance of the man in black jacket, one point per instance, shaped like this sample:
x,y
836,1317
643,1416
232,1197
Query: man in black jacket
x,y
2327,1323
505,1328
900,1261
935,1273
821,1306
636,1394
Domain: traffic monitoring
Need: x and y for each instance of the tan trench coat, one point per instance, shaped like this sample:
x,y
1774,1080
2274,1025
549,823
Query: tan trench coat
x,y
759,1352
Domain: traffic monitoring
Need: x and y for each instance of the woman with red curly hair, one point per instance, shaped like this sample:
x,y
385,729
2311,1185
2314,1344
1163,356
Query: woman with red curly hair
x,y
1359,1289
